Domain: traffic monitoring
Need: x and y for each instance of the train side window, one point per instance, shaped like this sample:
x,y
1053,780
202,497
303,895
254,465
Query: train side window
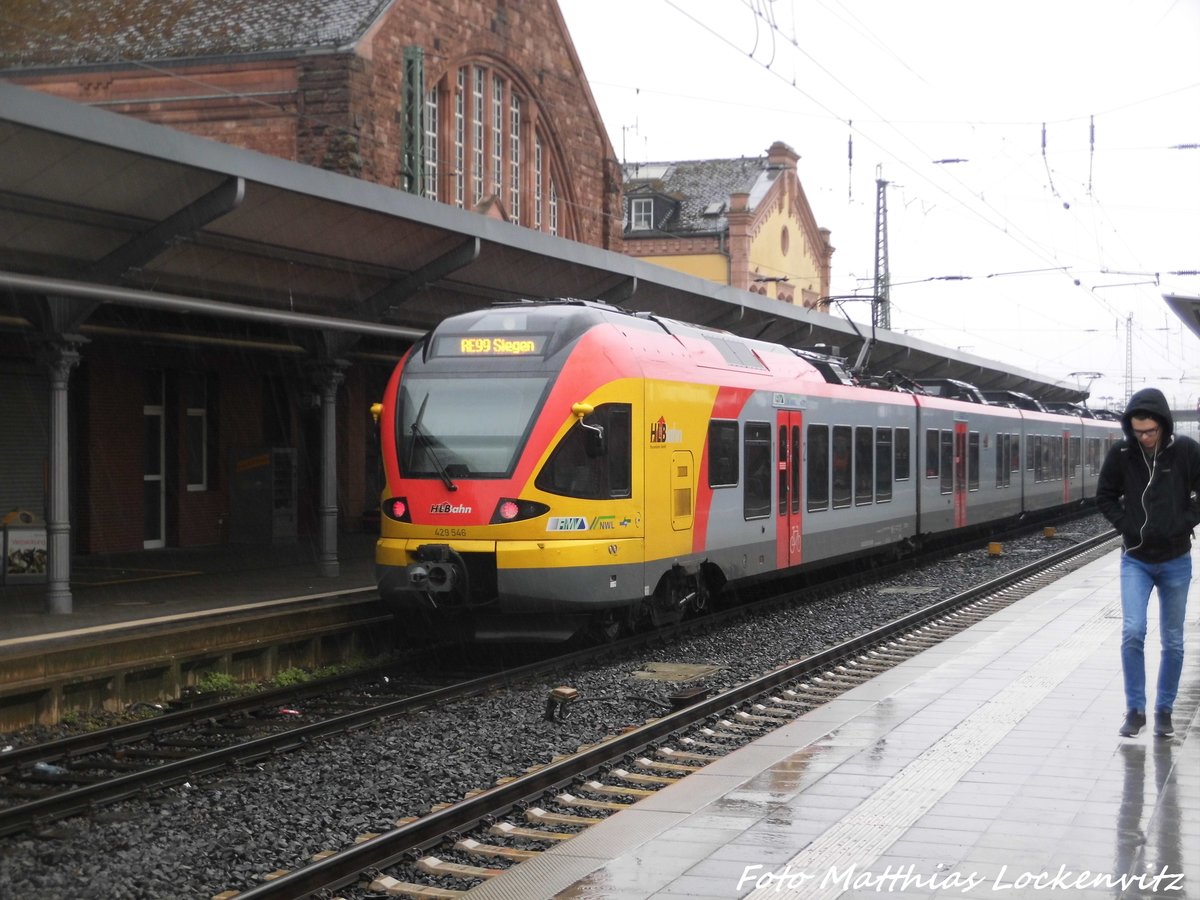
x,y
1074,450
817,465
795,469
931,454
1003,450
620,449
864,466
1094,455
903,465
782,468
756,450
883,465
973,461
843,449
722,453
574,469
946,455
1015,460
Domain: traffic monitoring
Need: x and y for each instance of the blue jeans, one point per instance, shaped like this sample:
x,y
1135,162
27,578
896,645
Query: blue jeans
x,y
1137,578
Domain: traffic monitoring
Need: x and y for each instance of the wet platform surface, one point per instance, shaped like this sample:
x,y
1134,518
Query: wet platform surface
x,y
989,766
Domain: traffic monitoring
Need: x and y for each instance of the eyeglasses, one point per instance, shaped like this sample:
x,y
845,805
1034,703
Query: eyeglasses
x,y
1145,432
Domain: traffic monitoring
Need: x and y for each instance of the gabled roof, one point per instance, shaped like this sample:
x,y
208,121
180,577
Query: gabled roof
x,y
55,33
703,184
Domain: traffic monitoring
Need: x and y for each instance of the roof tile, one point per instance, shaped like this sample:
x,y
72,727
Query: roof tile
x,y
54,32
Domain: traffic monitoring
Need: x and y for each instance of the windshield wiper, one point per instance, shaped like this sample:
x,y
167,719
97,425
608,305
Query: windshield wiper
x,y
419,433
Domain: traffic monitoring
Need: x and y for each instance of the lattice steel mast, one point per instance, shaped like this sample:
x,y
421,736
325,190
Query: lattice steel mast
x,y
881,308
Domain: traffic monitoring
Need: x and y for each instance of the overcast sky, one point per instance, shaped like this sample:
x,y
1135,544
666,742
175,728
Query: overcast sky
x,y
1032,151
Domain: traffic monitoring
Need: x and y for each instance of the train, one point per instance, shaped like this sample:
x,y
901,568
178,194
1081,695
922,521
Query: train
x,y
564,467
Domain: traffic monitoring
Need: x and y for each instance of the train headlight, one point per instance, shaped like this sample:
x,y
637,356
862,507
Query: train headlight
x,y
396,508
509,510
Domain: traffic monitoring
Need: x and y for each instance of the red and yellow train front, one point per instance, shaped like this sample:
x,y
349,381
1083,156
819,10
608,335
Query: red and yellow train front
x,y
508,453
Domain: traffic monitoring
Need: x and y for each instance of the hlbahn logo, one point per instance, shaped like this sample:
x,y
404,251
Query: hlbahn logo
x,y
661,434
449,508
658,431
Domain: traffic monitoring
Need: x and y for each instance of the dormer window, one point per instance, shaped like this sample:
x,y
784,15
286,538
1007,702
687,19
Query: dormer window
x,y
641,214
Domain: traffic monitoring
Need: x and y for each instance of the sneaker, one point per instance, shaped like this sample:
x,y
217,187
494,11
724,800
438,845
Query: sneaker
x,y
1162,723
1135,721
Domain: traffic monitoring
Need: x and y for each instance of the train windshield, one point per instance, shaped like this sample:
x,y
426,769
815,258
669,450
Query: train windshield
x,y
465,427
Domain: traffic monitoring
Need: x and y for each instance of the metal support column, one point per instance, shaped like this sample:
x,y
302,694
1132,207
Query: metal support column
x,y
61,356
328,375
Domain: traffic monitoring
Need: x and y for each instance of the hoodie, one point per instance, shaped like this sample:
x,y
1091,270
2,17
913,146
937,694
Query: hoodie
x,y
1151,498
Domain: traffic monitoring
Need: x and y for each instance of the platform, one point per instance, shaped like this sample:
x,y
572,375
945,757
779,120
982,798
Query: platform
x,y
115,590
988,766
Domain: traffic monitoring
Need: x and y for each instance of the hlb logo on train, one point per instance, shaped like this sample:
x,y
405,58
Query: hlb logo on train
x,y
661,434
449,508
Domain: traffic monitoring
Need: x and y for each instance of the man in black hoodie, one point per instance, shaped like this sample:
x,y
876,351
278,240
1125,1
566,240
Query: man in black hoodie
x,y
1148,489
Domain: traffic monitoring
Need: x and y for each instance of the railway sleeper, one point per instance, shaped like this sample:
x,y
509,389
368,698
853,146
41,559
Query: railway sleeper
x,y
740,728
732,736
820,690
891,660
571,801
539,816
16,792
158,753
635,778
843,680
654,765
706,745
801,705
65,778
431,865
618,790
773,712
672,753
509,830
473,847
872,668
390,887
750,719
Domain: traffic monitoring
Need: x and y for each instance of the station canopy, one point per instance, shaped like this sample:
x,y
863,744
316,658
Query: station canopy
x,y
139,228
1187,308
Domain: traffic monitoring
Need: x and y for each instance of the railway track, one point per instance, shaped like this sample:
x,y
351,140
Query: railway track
x,y
45,783
443,854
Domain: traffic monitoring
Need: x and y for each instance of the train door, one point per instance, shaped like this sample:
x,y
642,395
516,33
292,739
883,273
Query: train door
x,y
960,474
788,456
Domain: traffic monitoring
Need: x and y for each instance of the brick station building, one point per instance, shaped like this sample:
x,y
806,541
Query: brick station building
x,y
483,105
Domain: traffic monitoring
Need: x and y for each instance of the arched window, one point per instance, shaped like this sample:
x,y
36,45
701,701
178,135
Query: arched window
x,y
484,144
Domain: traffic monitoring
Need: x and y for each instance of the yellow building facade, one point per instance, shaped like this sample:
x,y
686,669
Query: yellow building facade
x,y
743,222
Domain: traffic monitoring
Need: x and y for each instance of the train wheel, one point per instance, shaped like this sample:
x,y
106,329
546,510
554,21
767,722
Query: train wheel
x,y
671,599
611,625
